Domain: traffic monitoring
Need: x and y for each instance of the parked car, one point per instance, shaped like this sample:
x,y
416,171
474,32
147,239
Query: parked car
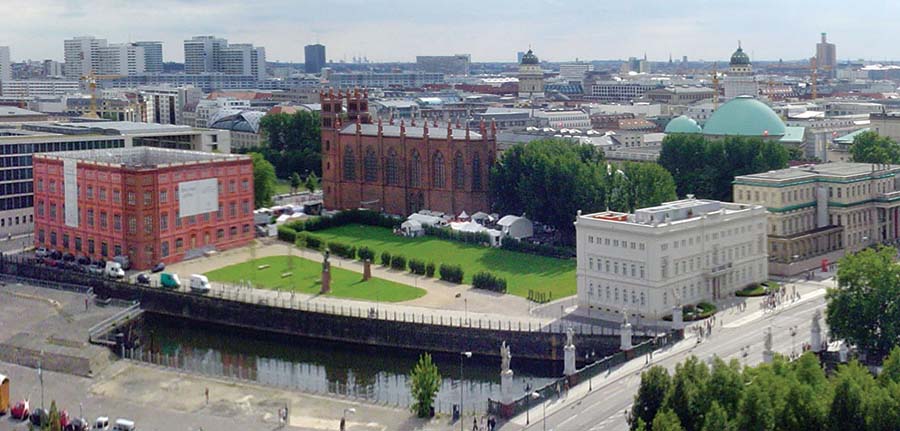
x,y
68,257
143,278
78,424
49,261
64,419
124,261
159,267
102,423
95,269
83,260
21,410
114,269
124,425
56,255
41,252
39,416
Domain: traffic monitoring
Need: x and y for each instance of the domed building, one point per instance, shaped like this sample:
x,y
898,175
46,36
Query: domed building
x,y
744,116
740,80
682,124
531,77
243,125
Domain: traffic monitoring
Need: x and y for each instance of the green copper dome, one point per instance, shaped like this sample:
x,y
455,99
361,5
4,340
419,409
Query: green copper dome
x,y
740,58
744,116
682,124
530,58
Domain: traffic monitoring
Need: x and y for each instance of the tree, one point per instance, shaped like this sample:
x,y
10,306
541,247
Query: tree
x,y
425,381
263,181
806,411
312,182
848,409
651,396
667,420
755,412
716,419
725,384
293,142
870,147
863,309
642,185
688,395
54,420
295,182
890,371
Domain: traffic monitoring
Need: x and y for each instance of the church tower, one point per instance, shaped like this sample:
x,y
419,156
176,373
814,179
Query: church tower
x,y
740,80
531,77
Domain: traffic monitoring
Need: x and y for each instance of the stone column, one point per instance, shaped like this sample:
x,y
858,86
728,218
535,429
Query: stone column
x,y
569,354
367,270
625,337
815,335
768,354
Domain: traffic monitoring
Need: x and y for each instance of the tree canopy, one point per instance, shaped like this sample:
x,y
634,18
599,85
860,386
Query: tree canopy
x,y
706,168
425,381
263,181
549,180
293,143
782,396
863,309
870,147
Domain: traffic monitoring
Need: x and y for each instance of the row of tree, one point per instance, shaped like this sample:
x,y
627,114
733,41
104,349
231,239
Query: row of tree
x,y
293,143
706,168
781,396
550,180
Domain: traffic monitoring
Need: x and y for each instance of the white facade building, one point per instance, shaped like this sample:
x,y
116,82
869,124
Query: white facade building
x,y
5,64
165,105
574,71
682,252
40,87
209,54
565,118
80,55
120,59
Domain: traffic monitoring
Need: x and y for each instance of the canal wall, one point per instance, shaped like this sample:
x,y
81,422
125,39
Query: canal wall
x,y
363,328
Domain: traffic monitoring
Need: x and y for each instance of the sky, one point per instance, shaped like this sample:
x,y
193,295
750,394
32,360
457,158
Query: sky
x,y
489,30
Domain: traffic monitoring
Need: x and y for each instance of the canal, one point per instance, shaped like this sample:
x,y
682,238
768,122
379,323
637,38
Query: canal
x,y
374,374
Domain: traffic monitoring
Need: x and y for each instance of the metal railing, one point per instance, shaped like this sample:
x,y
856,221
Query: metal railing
x,y
97,333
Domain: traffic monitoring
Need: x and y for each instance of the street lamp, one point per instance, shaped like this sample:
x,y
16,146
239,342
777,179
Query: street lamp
x,y
535,396
344,417
528,404
461,356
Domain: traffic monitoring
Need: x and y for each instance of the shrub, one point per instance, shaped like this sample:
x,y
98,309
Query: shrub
x,y
366,253
452,235
487,281
285,233
342,250
417,266
513,244
304,239
451,273
429,270
366,217
398,262
385,259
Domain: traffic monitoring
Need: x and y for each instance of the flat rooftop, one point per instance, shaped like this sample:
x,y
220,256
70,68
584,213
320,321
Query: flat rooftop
x,y
141,157
671,212
835,170
12,111
126,127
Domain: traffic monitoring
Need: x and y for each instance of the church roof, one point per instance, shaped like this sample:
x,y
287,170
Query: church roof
x,y
411,131
744,116
682,124
740,58
530,58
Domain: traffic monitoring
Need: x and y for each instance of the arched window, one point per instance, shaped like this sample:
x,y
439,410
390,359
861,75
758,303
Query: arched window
x,y
459,173
370,165
392,176
437,173
349,165
415,169
476,172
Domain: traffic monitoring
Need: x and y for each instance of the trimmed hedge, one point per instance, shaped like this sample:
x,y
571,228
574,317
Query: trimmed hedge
x,y
366,253
451,273
691,313
398,262
513,244
285,233
309,241
487,281
385,259
429,270
366,217
760,289
417,266
342,250
452,235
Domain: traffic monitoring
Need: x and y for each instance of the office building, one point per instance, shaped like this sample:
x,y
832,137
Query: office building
x,y
209,54
165,105
243,126
39,87
531,77
679,253
149,204
381,79
313,58
153,56
401,169
5,64
826,56
574,71
80,55
680,95
53,69
565,118
740,80
119,59
819,212
619,91
447,64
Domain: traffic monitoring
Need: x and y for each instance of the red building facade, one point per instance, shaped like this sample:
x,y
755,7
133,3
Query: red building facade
x,y
129,199
399,169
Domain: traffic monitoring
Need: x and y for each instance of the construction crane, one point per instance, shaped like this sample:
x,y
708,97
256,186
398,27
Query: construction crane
x,y
91,80
715,81
815,77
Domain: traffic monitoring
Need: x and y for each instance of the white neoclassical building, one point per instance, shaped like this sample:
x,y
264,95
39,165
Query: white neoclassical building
x,y
686,252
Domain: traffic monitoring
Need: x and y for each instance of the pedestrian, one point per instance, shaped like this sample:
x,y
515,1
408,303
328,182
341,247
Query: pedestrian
x,y
85,303
207,395
475,424
343,424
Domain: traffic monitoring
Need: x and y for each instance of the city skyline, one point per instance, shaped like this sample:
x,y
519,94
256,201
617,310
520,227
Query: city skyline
x,y
556,30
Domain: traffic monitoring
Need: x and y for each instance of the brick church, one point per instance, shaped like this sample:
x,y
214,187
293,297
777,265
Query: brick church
x,y
401,169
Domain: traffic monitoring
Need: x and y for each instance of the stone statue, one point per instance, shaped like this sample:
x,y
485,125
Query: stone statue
x,y
570,334
326,265
768,341
505,356
815,322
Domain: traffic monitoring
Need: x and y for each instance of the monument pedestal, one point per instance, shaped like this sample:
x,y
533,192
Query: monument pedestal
x,y
625,337
506,387
326,282
569,360
367,270
768,356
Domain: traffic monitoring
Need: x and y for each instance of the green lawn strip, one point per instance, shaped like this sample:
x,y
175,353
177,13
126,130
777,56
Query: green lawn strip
x,y
523,272
306,278
282,187
758,289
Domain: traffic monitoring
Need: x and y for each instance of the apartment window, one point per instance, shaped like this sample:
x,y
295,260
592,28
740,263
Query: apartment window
x,y
244,229
52,186
40,208
177,222
90,246
232,209
41,237
117,222
148,199
219,211
117,196
164,221
104,249
102,194
232,231
52,211
148,224
132,198
163,196
220,234
52,237
90,192
40,185
245,185
231,188
103,224
117,250
132,224
164,249
179,243
245,207
90,217
65,240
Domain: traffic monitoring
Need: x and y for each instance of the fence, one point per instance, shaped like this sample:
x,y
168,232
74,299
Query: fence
x,y
556,387
98,334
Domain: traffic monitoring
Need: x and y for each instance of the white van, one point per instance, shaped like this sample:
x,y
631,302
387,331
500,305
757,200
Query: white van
x,y
114,270
124,425
199,283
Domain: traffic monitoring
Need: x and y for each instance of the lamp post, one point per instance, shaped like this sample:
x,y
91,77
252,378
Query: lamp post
x,y
528,404
461,356
535,395
344,417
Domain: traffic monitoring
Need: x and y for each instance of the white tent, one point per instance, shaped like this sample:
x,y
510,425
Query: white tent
x,y
463,215
412,228
427,220
516,227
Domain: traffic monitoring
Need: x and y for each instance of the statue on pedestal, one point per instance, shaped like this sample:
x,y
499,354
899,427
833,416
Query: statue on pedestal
x,y
815,323
570,334
326,265
768,340
505,356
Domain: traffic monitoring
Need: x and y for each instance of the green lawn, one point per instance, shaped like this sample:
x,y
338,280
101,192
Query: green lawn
x,y
306,278
282,187
523,272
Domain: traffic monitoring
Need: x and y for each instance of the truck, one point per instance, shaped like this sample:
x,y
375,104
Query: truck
x,y
169,280
199,283
114,270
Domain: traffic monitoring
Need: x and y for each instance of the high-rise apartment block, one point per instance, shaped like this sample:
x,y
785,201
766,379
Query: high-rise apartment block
x,y
209,54
5,64
314,58
826,55
81,57
120,59
153,57
86,54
